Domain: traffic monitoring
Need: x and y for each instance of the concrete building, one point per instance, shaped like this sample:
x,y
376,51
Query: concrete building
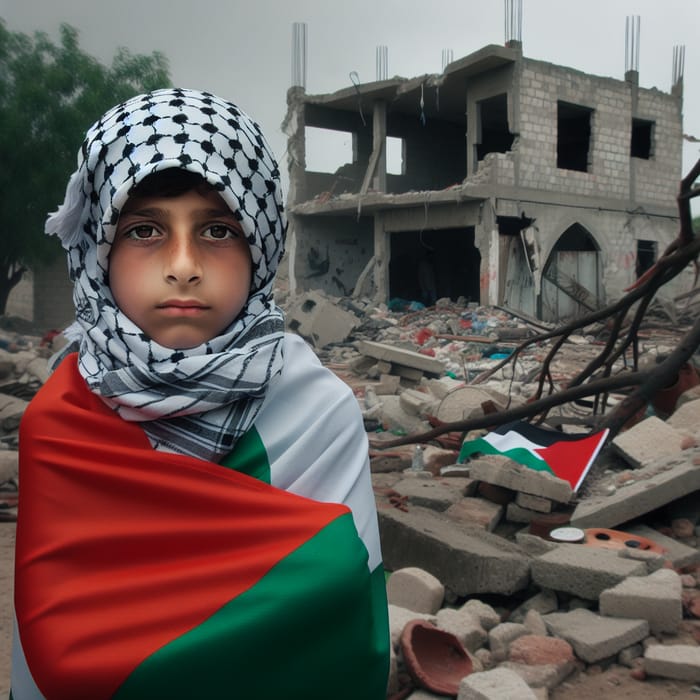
x,y
522,183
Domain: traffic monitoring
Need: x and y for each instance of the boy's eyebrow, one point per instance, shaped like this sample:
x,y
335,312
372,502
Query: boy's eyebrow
x,y
159,211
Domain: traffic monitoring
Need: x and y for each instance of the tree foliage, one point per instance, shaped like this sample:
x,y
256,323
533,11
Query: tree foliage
x,y
50,93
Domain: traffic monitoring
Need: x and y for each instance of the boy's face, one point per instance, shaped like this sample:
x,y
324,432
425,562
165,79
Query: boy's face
x,y
180,267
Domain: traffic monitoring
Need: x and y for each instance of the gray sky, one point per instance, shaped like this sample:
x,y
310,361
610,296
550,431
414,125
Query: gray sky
x,y
242,50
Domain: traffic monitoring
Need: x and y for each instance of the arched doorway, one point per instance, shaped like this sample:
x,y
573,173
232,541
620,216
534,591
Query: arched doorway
x,y
571,277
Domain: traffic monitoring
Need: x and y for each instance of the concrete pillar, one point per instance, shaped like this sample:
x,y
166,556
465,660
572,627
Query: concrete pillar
x,y
381,259
379,142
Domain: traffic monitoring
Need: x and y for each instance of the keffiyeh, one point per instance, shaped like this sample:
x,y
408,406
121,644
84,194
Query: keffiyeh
x,y
197,401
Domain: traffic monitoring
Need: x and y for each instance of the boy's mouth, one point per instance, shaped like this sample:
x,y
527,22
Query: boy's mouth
x,y
182,307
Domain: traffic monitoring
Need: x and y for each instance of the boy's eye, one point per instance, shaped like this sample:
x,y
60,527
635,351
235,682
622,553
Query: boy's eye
x,y
141,233
220,232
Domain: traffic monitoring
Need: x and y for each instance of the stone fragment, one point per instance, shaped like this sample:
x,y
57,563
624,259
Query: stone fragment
x,y
415,589
538,650
496,684
501,637
534,623
532,502
463,625
430,493
487,616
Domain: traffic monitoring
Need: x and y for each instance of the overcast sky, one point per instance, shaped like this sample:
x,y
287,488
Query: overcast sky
x,y
242,50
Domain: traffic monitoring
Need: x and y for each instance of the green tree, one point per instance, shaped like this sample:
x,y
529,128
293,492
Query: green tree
x,y
50,93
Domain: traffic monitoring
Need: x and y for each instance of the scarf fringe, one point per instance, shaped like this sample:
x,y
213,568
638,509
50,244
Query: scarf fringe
x,y
65,221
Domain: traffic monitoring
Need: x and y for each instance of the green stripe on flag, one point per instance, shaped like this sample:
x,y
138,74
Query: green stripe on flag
x,y
305,630
517,454
249,456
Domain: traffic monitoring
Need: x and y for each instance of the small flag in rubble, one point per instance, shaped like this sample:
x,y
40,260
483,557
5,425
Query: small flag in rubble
x,y
568,457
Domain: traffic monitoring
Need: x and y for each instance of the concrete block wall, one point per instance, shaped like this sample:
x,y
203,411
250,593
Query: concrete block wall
x,y
657,179
344,242
542,85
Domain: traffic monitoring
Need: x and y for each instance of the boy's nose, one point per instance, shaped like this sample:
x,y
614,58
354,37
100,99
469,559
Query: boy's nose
x,y
183,264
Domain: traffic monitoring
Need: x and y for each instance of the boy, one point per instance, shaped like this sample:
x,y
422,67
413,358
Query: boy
x,y
196,517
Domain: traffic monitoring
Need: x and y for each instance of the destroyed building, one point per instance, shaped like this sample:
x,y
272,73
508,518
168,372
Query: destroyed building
x,y
522,183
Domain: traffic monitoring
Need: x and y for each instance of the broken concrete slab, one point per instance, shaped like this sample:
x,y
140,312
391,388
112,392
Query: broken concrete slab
x,y
655,485
594,637
655,598
583,571
417,403
649,440
502,471
318,320
399,356
467,560
676,552
496,684
678,661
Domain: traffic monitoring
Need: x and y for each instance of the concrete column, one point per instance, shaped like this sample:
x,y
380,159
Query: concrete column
x,y
381,259
379,144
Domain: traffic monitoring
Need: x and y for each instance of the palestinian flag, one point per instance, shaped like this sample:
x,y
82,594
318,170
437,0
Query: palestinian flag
x,y
143,574
568,457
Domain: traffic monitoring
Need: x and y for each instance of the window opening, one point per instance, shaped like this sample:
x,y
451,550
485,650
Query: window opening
x,y
640,143
646,256
327,149
573,136
494,135
395,151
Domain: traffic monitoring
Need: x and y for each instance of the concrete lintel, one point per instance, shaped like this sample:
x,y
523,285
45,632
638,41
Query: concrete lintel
x,y
381,351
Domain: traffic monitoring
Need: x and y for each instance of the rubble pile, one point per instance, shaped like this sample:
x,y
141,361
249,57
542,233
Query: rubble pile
x,y
535,581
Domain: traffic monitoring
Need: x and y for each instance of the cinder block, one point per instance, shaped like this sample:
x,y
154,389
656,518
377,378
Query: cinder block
x,y
511,475
678,661
477,512
430,493
655,598
415,589
531,502
594,637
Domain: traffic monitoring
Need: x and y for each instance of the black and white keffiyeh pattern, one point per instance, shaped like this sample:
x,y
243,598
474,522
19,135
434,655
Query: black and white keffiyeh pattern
x,y
197,401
